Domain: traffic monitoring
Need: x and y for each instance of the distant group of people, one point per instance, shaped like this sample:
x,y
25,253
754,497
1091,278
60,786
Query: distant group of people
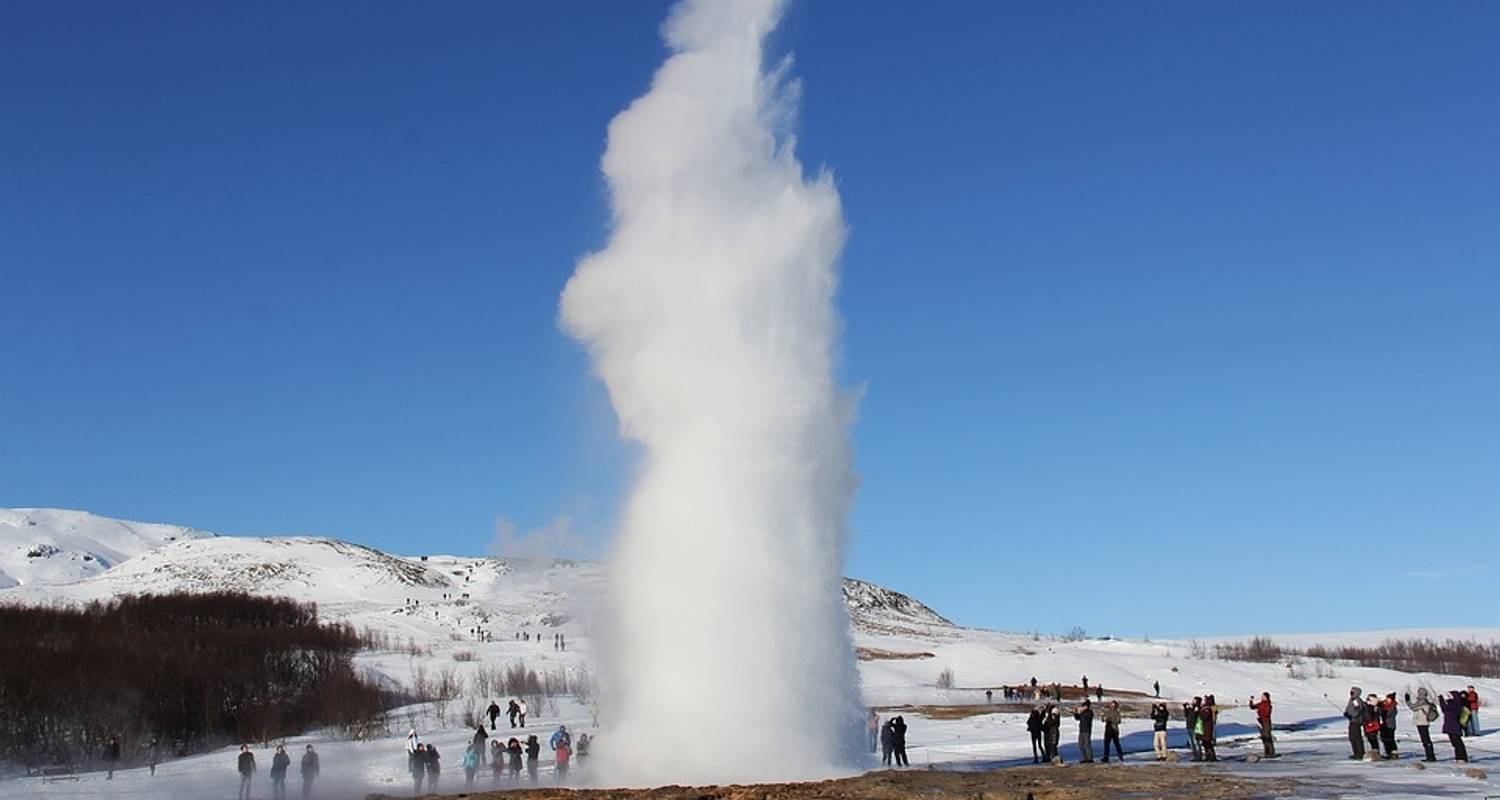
x,y
1372,721
516,710
281,763
890,737
1044,725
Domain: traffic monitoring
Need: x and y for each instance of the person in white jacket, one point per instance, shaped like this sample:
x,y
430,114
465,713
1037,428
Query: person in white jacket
x,y
522,706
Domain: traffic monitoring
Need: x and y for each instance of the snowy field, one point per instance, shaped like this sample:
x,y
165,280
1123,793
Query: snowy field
x,y
437,603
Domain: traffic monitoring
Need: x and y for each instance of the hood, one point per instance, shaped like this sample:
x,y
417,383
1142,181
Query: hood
x,y
1421,694
1356,691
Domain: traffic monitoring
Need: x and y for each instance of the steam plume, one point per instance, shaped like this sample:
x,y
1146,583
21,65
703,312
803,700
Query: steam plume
x,y
710,318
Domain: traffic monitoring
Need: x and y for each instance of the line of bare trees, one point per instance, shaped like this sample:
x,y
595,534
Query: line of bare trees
x,y
182,669
1447,657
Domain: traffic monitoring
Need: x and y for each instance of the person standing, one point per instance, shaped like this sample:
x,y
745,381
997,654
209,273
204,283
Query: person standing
x,y
279,765
1085,716
1099,692
493,711
153,755
533,756
416,763
1112,730
513,752
1423,714
112,756
434,763
521,711
989,696
1190,718
1159,717
898,741
1034,722
562,755
1389,710
1354,712
887,741
1453,707
309,769
246,767
1471,700
471,764
1085,684
1052,727
511,711
1372,723
1156,687
1263,717
872,727
1208,718
478,742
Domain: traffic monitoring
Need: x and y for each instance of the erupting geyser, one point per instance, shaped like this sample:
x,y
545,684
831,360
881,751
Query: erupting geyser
x,y
710,318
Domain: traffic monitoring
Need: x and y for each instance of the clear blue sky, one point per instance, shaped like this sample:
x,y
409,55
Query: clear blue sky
x,y
1174,317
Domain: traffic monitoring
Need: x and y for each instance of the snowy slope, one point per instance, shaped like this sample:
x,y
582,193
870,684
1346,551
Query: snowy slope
x,y
52,546
430,608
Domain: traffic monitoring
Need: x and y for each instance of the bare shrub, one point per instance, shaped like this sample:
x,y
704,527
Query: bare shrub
x,y
945,679
1258,649
465,655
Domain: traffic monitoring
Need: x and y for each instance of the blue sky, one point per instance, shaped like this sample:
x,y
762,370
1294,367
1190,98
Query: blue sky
x,y
1172,317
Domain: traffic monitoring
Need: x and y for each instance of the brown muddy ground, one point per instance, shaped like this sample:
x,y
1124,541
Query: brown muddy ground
x,y
1040,783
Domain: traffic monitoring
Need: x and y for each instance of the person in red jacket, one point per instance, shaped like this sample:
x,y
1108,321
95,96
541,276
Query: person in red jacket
x,y
1263,716
1471,700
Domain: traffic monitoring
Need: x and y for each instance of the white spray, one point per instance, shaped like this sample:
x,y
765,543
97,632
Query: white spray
x,y
710,318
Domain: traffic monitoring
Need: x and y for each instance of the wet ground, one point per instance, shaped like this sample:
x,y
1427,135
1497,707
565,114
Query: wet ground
x,y
1039,783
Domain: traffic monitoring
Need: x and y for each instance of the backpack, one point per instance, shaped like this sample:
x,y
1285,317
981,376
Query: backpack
x,y
1432,714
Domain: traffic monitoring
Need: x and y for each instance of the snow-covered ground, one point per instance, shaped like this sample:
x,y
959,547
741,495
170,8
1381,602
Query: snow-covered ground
x,y
438,602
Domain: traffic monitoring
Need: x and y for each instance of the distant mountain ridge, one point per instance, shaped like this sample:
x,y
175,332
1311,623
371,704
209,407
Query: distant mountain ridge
x,y
48,546
97,558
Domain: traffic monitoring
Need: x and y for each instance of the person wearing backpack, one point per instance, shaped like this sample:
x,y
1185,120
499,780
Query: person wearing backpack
x,y
1190,718
1453,707
1159,717
1208,718
1423,714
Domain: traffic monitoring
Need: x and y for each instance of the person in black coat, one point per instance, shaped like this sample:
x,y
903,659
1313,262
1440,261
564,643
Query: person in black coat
x,y
1034,727
309,769
887,741
279,765
898,741
245,765
112,756
493,711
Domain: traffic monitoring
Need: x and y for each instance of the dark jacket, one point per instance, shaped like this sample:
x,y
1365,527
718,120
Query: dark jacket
x,y
1159,717
898,733
246,763
279,764
1111,719
1452,706
1034,721
310,764
1085,717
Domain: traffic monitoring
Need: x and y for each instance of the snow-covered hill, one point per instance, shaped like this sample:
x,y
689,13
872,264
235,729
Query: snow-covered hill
x,y
46,546
435,611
